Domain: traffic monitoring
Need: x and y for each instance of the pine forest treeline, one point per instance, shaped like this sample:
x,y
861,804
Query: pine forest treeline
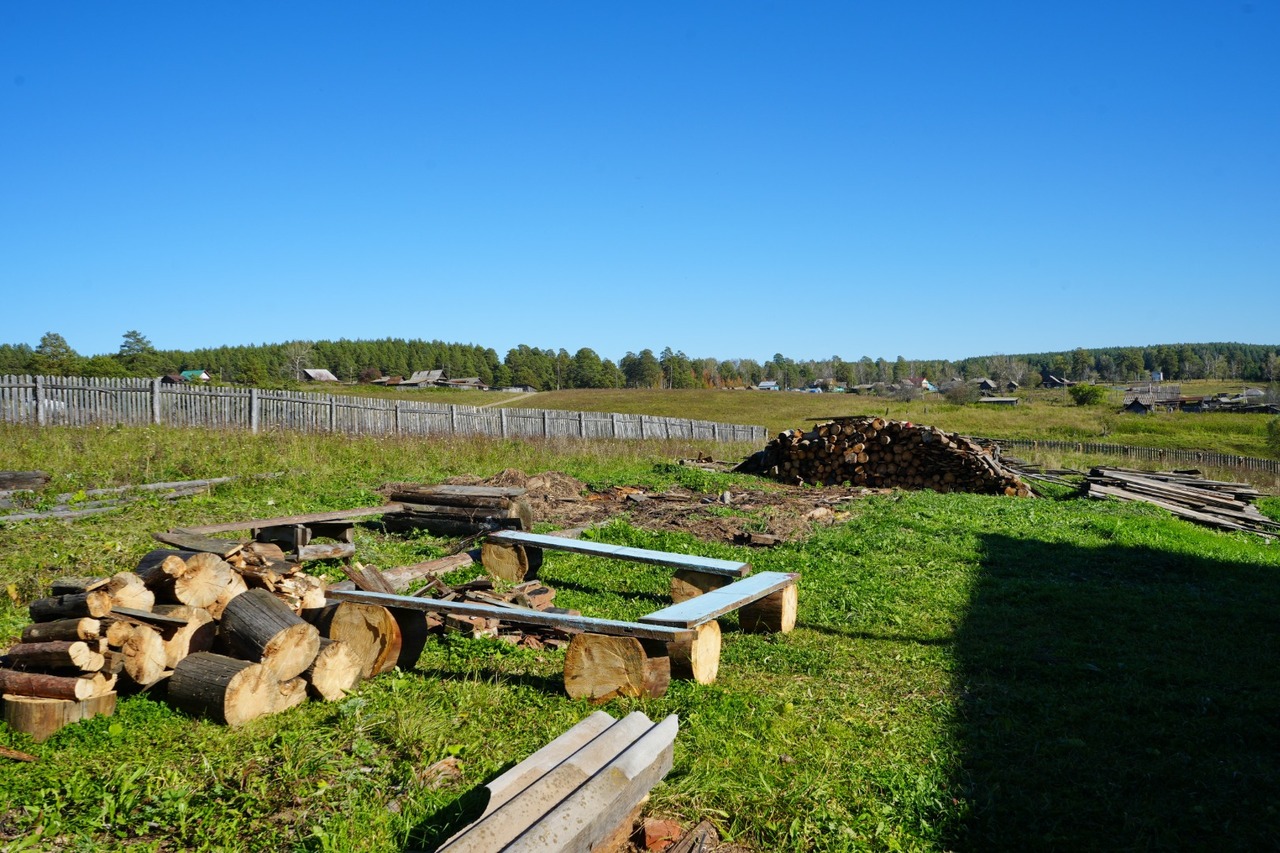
x,y
265,365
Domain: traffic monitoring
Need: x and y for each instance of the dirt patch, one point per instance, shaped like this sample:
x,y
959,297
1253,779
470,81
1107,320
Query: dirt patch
x,y
785,512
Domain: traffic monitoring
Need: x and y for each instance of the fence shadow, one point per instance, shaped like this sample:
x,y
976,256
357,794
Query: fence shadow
x,y
1117,699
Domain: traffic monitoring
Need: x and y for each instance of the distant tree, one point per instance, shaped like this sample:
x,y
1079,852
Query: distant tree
x,y
961,393
369,374
1087,395
55,357
587,371
135,344
643,370
297,356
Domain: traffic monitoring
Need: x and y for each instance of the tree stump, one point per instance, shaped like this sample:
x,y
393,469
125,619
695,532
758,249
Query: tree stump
x,y
773,614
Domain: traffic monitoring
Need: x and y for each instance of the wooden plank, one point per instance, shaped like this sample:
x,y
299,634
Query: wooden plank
x,y
710,565
335,515
593,811
703,608
189,541
563,621
504,824
533,768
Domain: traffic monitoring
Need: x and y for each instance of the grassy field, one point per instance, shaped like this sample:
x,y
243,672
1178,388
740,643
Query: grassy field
x,y
968,672
1043,415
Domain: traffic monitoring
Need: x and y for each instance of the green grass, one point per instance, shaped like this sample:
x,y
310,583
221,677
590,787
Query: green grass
x,y
968,672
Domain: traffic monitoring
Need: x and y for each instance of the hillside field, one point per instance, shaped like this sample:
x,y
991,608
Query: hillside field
x,y
968,672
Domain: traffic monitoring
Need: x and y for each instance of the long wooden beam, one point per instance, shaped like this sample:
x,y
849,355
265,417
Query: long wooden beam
x,y
308,518
515,616
709,565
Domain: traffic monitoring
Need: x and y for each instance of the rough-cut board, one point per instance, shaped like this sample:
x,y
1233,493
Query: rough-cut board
x,y
514,616
335,515
710,565
572,794
190,541
717,602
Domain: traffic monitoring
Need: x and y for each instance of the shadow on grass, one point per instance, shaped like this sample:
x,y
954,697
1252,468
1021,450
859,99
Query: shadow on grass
x,y
436,829
1118,698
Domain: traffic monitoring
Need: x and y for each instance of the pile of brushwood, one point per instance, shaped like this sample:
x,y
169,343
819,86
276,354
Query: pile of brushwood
x,y
879,453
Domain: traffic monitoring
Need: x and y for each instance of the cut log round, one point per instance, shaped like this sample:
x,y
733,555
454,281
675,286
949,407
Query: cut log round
x,y
335,671
697,658
225,689
128,590
41,717
235,586
54,686
83,628
264,629
55,654
600,667
370,631
145,658
197,635
93,604
688,583
773,614
513,563
207,577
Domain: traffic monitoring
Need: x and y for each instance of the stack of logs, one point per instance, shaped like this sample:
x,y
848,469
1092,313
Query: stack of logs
x,y
881,453
221,639
445,510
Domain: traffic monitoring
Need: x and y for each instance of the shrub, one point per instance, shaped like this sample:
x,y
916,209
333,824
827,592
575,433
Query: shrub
x,y
961,393
1087,395
1273,435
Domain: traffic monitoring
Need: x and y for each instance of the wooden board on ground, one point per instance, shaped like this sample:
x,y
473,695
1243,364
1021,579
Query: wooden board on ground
x,y
711,565
191,541
717,602
306,518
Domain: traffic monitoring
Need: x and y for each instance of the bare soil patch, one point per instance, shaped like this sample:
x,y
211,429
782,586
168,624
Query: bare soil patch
x,y
785,512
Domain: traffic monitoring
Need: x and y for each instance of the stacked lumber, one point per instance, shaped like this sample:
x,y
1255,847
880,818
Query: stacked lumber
x,y
1186,494
882,453
582,791
450,510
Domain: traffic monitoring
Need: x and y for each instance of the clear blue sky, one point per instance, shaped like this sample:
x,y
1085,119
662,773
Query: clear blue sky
x,y
731,179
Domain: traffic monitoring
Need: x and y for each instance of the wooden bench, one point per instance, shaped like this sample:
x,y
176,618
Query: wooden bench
x,y
515,555
582,791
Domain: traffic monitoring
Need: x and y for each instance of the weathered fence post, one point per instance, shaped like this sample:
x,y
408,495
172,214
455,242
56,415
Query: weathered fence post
x,y
155,401
397,417
546,432
582,424
255,409
613,425
333,413
40,419
453,420
502,423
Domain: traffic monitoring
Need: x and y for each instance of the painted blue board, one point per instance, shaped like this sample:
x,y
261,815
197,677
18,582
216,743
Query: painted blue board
x,y
710,565
703,608
511,615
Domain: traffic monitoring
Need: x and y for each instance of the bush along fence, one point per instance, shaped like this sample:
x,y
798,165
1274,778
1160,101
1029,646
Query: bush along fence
x,y
1149,454
76,401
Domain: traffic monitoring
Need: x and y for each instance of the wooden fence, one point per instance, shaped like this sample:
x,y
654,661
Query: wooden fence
x,y
1149,454
73,401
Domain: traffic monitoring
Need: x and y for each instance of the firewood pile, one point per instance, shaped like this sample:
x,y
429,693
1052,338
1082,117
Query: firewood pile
x,y
232,639
881,453
1186,494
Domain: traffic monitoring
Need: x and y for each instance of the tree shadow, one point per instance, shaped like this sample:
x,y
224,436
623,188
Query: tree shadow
x,y
1117,698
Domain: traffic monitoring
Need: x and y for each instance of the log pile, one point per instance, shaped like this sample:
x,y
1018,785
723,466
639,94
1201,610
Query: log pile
x,y
1186,494
223,639
530,595
879,453
455,510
